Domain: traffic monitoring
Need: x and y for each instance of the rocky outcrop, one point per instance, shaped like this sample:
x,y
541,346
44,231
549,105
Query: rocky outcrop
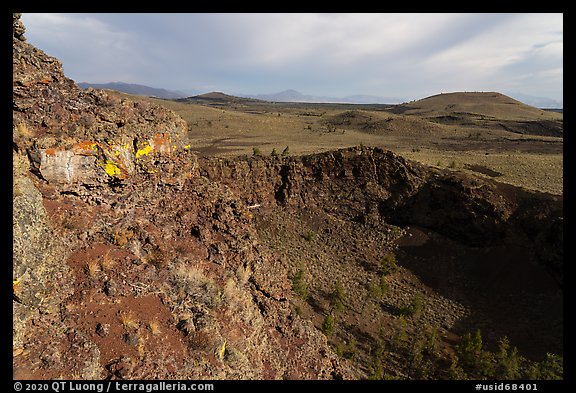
x,y
127,263
82,136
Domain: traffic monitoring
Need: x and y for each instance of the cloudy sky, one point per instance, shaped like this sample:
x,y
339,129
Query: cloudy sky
x,y
409,56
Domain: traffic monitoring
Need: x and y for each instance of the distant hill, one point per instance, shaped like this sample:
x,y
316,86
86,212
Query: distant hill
x,y
485,104
215,98
295,96
489,110
131,88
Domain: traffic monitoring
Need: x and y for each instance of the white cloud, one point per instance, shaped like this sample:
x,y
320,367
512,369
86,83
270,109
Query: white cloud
x,y
328,54
501,46
332,39
89,48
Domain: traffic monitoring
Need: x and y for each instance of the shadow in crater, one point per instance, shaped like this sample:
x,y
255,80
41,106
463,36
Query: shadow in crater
x,y
507,291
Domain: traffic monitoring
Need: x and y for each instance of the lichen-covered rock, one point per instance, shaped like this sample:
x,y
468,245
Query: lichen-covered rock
x,y
40,279
75,135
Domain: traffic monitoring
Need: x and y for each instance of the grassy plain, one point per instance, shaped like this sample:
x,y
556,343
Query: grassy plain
x,y
487,134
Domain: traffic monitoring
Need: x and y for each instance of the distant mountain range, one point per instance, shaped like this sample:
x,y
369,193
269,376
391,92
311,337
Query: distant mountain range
x,y
538,102
131,88
295,96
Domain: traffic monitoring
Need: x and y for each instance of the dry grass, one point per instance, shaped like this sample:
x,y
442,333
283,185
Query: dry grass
x,y
107,262
191,281
154,326
21,130
129,320
531,161
243,273
92,268
540,172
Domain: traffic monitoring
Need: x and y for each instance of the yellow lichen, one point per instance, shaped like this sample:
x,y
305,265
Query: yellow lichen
x,y
187,147
143,152
222,350
112,169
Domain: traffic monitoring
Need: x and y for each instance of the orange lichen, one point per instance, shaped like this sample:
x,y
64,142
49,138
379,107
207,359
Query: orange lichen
x,y
50,152
86,148
161,142
44,81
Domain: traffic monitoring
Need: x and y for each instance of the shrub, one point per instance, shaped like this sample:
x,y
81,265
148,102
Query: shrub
x,y
309,236
121,237
256,151
285,152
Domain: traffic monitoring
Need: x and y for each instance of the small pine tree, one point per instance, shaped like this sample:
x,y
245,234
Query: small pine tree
x,y
456,372
431,347
551,368
377,354
474,360
400,335
338,298
299,284
380,288
415,307
328,325
388,264
507,361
